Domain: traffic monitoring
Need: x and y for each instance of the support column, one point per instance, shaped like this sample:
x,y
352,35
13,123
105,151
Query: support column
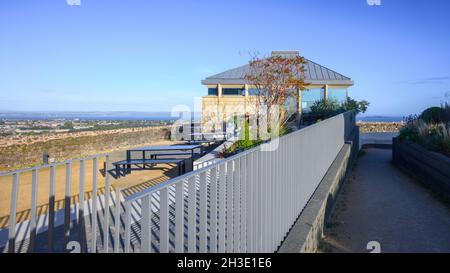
x,y
299,101
325,92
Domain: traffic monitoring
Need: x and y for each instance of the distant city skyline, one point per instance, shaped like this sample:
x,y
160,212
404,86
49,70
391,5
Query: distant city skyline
x,y
149,56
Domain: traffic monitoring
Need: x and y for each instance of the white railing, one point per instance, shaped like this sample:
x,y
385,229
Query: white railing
x,y
204,164
54,204
246,203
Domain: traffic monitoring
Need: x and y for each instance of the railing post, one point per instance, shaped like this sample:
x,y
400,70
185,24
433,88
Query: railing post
x,y
146,225
51,209
229,209
164,219
179,217
117,221
94,205
237,206
127,226
192,217
203,212
107,211
213,206
222,218
12,214
34,194
67,204
81,226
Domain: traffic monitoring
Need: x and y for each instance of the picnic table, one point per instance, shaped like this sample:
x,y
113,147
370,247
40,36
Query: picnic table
x,y
164,150
124,166
169,154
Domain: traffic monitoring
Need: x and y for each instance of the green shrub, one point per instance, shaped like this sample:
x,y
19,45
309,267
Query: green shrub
x,y
433,115
323,109
410,134
357,106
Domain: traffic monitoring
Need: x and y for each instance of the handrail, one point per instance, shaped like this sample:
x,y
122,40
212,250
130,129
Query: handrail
x,y
60,163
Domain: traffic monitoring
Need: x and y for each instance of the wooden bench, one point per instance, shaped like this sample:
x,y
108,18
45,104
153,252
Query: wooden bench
x,y
125,166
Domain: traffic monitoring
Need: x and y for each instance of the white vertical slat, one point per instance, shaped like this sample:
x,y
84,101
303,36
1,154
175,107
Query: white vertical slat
x,y
106,212
258,202
213,208
269,200
286,186
275,201
67,203
262,198
250,202
117,209
94,205
34,194
265,200
179,217
81,191
236,206
229,209
12,214
294,209
222,208
146,225
244,202
80,212
272,206
164,215
51,209
192,217
279,193
127,226
203,213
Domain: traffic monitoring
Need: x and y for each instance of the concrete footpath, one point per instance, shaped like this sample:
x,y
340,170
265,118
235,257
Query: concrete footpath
x,y
380,203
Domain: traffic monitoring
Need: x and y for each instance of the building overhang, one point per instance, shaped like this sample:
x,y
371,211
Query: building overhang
x,y
309,82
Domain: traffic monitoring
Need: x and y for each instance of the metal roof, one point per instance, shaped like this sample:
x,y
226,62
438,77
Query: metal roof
x,y
314,74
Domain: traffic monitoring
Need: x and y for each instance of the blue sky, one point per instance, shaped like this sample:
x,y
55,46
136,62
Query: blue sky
x,y
113,55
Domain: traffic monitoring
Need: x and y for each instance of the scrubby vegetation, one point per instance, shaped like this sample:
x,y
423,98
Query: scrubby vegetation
x,y
431,129
73,146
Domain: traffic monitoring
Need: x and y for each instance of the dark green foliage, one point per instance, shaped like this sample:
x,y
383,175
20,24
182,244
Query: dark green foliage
x,y
358,106
433,115
67,125
327,108
323,109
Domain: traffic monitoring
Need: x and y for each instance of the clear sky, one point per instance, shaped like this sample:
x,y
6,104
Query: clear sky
x,y
122,55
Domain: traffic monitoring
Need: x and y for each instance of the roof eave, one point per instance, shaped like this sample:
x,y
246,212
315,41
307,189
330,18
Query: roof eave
x,y
309,82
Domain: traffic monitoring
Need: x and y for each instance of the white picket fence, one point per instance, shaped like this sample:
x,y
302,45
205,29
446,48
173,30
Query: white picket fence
x,y
245,203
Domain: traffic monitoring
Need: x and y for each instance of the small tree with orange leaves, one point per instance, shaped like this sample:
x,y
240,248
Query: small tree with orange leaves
x,y
276,78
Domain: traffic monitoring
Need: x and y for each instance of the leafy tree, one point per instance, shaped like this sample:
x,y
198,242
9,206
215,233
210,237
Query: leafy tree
x,y
276,78
67,125
358,106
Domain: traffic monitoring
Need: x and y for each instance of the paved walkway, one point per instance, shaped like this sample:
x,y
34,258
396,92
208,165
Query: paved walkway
x,y
380,203
376,138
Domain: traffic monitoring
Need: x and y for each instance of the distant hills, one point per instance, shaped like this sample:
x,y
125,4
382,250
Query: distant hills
x,y
113,115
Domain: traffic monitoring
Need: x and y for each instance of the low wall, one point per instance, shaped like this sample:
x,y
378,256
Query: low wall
x,y
432,169
307,231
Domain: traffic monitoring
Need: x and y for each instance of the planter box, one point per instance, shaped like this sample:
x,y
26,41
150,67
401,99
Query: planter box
x,y
431,168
